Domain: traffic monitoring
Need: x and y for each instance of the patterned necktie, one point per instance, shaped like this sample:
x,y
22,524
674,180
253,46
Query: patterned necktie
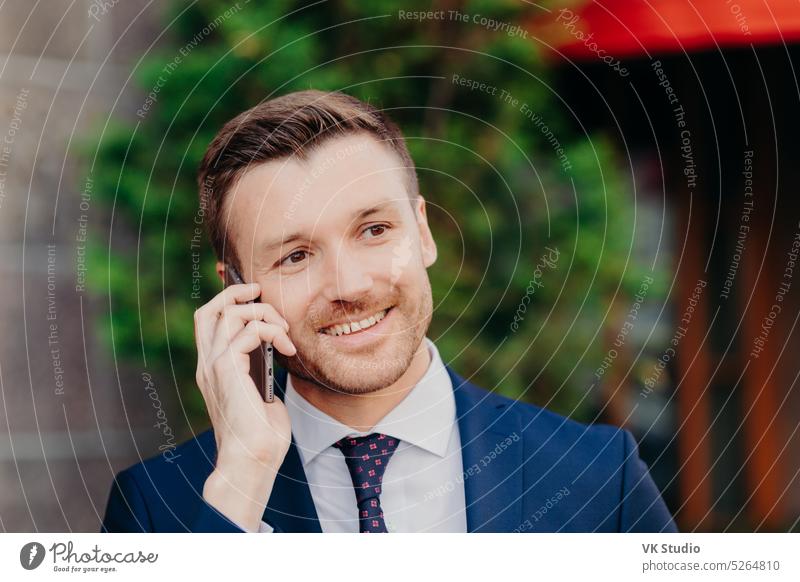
x,y
366,459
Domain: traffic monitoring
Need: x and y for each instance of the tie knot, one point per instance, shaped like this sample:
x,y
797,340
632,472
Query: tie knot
x,y
374,445
366,459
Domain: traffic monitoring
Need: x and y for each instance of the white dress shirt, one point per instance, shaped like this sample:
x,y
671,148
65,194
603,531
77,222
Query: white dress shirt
x,y
423,486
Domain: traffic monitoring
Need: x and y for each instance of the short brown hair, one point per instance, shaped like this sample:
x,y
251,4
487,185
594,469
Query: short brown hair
x,y
290,125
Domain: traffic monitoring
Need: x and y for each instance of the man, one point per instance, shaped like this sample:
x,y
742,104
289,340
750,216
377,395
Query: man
x,y
313,198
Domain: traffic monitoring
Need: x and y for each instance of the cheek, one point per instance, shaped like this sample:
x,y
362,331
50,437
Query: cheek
x,y
400,261
292,304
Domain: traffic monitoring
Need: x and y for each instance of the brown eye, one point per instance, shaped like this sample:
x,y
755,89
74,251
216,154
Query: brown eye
x,y
381,229
294,255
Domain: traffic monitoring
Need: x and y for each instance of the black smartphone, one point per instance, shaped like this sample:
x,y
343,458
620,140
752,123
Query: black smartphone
x,y
266,386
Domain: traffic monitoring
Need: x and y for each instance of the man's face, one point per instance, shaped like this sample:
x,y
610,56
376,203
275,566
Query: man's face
x,y
361,248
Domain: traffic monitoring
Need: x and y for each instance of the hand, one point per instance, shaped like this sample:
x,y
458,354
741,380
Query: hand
x,y
252,436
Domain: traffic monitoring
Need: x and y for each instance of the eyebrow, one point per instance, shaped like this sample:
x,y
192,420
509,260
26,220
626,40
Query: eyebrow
x,y
361,214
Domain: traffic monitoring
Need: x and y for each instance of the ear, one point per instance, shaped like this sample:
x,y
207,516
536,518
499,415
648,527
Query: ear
x,y
220,268
428,245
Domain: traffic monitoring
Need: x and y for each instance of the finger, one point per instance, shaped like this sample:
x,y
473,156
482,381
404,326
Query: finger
x,y
249,311
256,332
231,295
205,318
235,317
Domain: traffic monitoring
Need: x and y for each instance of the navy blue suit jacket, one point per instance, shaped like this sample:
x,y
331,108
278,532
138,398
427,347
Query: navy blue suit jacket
x,y
525,469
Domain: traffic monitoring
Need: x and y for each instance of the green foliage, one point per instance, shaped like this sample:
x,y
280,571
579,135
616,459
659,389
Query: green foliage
x,y
498,192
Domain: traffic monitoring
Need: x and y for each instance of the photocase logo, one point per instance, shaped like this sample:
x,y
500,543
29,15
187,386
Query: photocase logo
x,y
31,555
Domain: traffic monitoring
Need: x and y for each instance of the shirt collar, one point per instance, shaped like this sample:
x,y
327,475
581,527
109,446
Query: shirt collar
x,y
424,418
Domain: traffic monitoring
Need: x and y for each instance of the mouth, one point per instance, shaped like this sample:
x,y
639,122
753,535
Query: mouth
x,y
356,326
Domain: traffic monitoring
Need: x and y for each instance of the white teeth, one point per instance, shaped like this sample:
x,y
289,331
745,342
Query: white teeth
x,y
347,329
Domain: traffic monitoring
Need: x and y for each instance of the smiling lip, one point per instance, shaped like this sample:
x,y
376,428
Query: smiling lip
x,y
351,327
362,337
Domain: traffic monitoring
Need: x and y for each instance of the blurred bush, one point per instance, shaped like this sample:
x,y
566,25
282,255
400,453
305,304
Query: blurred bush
x,y
499,191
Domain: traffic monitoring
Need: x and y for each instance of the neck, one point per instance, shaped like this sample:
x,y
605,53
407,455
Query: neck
x,y
361,412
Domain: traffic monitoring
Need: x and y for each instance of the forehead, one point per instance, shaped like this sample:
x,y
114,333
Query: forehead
x,y
340,176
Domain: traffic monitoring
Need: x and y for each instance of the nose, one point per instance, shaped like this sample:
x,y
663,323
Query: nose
x,y
349,279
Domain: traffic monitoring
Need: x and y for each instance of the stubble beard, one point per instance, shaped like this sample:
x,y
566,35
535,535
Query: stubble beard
x,y
321,364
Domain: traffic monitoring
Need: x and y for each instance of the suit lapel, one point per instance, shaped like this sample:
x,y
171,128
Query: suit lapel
x,y
291,507
492,454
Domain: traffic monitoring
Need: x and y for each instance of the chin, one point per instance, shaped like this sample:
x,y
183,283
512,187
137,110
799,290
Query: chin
x,y
352,373
348,374
365,382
